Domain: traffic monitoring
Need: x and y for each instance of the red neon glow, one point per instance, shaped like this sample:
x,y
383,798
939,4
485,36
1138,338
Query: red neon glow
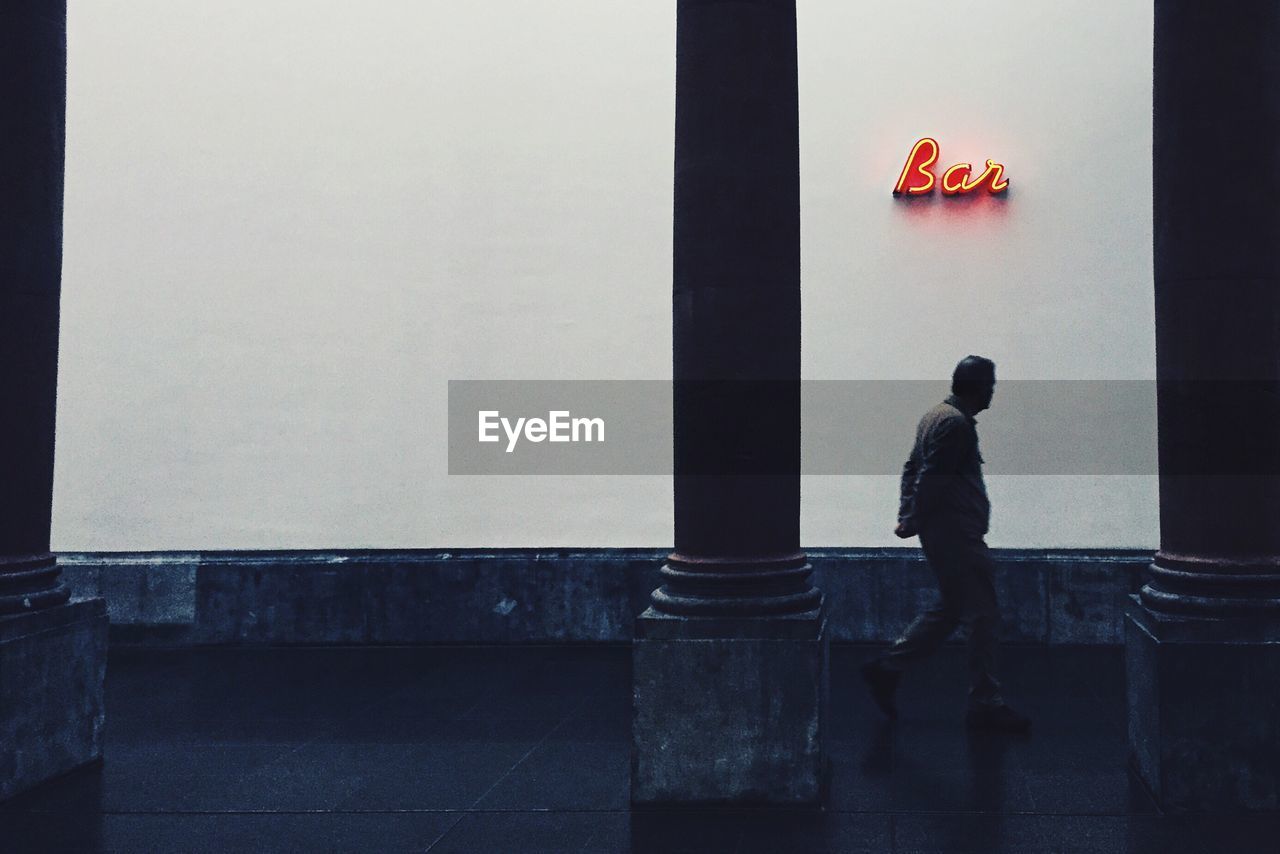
x,y
991,177
951,184
917,178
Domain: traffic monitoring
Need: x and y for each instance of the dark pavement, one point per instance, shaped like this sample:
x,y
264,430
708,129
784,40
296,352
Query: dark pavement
x,y
525,749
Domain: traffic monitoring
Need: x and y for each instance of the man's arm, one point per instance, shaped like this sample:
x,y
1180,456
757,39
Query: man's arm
x,y
939,464
906,497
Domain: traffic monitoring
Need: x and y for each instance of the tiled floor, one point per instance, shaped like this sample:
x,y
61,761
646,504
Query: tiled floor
x,y
525,749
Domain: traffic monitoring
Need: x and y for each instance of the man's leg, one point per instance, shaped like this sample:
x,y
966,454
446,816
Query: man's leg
x,y
981,615
933,626
928,631
984,688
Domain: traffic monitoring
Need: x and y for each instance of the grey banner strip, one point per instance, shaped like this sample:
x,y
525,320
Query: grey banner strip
x,y
854,427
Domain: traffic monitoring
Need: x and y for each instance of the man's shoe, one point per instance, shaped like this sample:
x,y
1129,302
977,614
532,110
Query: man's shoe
x,y
883,682
999,718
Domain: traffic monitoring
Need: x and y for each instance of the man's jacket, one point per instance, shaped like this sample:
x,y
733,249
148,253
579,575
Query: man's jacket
x,y
942,486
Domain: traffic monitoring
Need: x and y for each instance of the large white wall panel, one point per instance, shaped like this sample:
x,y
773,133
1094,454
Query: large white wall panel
x,y
290,222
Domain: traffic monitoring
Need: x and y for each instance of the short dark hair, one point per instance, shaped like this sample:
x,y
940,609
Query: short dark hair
x,y
972,373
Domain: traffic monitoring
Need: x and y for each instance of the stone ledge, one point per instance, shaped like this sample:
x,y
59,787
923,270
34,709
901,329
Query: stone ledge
x,y
358,596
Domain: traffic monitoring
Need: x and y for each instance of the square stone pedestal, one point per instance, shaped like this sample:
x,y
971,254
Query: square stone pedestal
x,y
729,710
1204,711
52,663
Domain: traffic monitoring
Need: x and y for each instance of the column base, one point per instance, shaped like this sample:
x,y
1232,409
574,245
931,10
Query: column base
x,y
29,583
1203,694
52,663
729,710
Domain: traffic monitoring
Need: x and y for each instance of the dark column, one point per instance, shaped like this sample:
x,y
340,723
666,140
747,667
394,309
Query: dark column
x,y
730,659
33,92
736,315
52,652
1204,668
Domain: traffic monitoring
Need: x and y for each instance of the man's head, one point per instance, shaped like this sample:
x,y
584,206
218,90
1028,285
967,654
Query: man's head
x,y
974,381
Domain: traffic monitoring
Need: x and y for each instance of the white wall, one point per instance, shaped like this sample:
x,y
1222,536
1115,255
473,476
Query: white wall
x,y
290,222
1053,284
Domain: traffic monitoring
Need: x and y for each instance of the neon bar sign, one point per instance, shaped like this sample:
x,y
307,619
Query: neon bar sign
x,y
917,179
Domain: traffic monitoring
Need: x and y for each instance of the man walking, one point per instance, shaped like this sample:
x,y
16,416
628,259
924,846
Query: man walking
x,y
944,501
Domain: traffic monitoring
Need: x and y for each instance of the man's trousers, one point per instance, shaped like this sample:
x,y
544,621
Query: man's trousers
x,y
963,567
